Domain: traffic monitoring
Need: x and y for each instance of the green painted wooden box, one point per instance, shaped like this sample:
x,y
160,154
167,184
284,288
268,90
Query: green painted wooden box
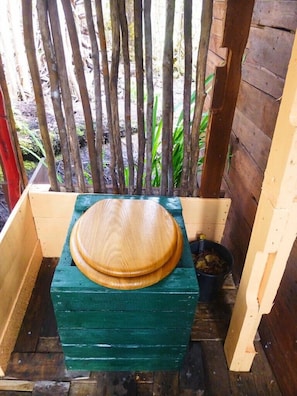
x,y
107,329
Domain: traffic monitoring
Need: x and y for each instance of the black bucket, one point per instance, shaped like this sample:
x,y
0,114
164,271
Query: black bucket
x,y
210,284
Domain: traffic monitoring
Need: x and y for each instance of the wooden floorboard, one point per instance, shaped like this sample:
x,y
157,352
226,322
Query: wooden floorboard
x,y
37,366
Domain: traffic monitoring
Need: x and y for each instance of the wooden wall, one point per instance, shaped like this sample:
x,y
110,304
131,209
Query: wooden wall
x,y
263,72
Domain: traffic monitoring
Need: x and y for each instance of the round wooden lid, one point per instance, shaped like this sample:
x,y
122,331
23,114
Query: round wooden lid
x,y
124,239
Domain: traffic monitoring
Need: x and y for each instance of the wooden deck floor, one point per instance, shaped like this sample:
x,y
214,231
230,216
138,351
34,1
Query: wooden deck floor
x,y
37,367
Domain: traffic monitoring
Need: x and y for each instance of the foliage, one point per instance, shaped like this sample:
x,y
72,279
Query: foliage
x,y
178,140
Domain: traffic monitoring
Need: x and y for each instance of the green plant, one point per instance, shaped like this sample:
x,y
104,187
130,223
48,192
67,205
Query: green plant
x,y
178,140
31,138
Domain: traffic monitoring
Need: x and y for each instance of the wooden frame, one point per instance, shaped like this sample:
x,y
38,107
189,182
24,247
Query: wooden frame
x,y
37,228
273,234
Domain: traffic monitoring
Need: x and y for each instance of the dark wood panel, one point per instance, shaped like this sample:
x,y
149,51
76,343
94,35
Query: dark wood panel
x,y
278,329
252,138
276,13
243,170
259,107
37,366
236,236
262,79
39,306
266,46
216,377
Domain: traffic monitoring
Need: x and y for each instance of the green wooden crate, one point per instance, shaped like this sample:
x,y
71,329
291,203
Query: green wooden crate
x,y
108,329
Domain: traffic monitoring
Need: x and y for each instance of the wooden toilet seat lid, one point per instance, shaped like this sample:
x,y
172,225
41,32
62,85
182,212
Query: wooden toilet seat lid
x,y
116,240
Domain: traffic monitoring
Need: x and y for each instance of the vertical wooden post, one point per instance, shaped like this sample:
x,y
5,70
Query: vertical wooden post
x,y
273,234
225,94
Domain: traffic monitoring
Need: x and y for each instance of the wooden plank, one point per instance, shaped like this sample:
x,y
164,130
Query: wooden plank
x,y
51,388
263,376
275,13
149,337
256,142
211,321
207,216
191,376
121,319
49,344
52,212
215,369
244,170
243,201
16,385
20,260
83,387
118,364
262,79
32,323
273,235
283,316
166,383
114,383
259,107
37,366
266,46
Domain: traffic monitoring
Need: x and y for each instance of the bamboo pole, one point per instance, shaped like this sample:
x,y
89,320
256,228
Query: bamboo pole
x,y
140,94
114,70
127,75
150,92
80,75
167,105
97,91
55,90
66,94
187,95
206,20
105,70
40,106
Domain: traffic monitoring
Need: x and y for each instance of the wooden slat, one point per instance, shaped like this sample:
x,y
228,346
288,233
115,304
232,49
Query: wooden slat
x,y
16,385
207,216
52,212
52,388
262,79
258,149
216,375
259,107
29,335
37,366
278,41
166,383
83,387
20,260
275,13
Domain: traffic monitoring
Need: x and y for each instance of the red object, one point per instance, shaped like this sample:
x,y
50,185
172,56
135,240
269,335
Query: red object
x,y
8,159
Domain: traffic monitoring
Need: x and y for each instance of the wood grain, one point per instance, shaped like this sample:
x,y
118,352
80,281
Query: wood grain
x,y
126,244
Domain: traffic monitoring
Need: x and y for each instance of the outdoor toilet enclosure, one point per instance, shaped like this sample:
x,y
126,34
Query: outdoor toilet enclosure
x,y
38,227
146,327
